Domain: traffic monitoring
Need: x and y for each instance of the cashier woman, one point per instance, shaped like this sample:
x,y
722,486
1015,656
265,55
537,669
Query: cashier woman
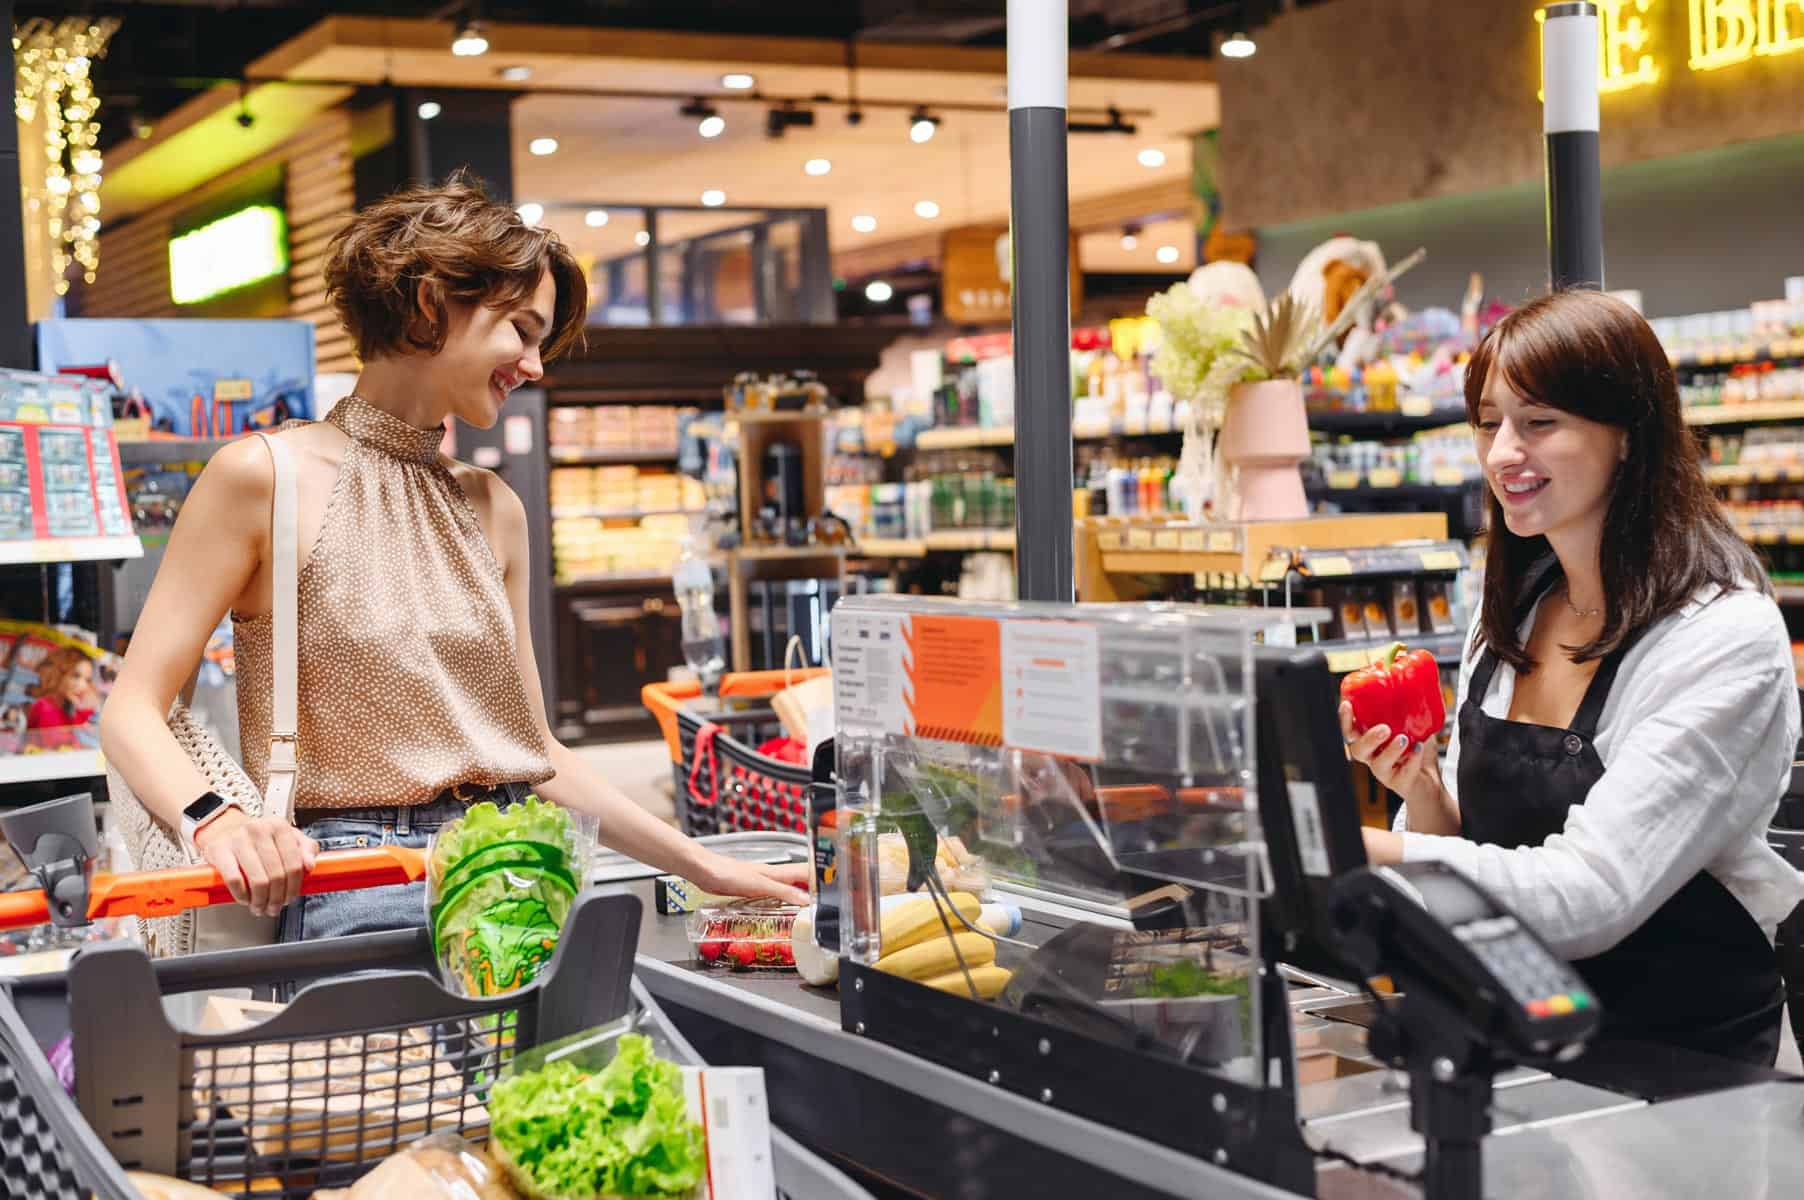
x,y
1627,707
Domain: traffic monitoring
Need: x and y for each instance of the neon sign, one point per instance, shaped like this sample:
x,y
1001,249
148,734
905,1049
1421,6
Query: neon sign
x,y
249,245
1722,34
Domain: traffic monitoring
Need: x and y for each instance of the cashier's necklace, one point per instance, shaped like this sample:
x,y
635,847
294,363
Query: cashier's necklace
x,y
1581,613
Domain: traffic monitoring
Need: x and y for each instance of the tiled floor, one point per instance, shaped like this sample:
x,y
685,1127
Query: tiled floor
x,y
640,769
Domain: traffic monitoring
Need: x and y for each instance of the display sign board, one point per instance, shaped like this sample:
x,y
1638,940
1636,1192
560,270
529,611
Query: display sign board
x,y
61,490
233,252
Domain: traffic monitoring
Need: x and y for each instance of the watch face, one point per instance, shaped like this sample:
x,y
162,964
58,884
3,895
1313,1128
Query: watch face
x,y
205,807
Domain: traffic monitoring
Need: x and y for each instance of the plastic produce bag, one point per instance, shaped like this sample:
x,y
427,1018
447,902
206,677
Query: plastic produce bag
x,y
441,1167
499,883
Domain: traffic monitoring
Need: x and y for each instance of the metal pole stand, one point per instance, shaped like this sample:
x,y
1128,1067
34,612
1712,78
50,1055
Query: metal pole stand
x,y
1450,1077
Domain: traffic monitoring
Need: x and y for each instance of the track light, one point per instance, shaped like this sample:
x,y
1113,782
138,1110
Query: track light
x,y
1113,125
708,121
1239,45
470,41
778,120
1130,237
922,126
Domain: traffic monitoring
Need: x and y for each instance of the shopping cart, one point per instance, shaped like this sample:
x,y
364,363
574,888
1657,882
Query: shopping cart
x,y
316,1094
723,785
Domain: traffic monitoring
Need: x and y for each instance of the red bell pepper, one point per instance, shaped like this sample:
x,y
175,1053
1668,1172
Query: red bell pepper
x,y
1402,690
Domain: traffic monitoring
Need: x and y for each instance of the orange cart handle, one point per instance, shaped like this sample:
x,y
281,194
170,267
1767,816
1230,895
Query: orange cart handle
x,y
663,699
165,893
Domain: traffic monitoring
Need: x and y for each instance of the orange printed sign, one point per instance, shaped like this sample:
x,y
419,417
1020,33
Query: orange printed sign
x,y
955,678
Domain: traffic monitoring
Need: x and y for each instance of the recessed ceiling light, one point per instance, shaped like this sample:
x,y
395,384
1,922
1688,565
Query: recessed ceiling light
x,y
518,73
1168,254
531,213
927,210
712,125
642,238
817,166
595,218
878,292
470,41
1239,46
1129,241
864,223
714,198
429,109
542,146
1152,156
738,81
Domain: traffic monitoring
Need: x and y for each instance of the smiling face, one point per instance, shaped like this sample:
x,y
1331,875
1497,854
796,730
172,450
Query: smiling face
x,y
1552,471
488,352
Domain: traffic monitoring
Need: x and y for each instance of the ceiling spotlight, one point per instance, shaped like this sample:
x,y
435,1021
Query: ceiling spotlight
x,y
142,128
519,73
927,210
1113,125
864,223
712,127
1168,254
817,166
642,238
713,198
1152,156
595,218
1130,237
542,146
921,126
1238,46
878,292
709,122
779,120
429,109
470,41
531,213
737,81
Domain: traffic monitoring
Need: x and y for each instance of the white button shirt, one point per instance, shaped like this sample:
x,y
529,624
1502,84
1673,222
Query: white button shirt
x,y
1697,738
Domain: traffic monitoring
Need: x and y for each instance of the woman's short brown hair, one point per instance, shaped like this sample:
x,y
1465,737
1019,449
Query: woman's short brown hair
x,y
457,244
1665,537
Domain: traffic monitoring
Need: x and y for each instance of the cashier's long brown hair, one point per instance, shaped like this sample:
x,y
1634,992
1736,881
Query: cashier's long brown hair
x,y
1665,537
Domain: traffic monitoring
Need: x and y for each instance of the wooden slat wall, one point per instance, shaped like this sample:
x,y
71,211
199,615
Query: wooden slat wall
x,y
134,259
321,198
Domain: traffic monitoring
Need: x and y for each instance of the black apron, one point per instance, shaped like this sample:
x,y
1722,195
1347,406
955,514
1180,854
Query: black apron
x,y
1699,973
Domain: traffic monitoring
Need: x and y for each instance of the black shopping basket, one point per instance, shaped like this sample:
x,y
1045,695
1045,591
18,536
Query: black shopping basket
x,y
723,785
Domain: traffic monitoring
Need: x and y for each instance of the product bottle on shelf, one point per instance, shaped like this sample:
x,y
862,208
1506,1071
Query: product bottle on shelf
x,y
704,649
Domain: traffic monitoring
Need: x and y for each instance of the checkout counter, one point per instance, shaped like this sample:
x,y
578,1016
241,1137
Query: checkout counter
x,y
1165,801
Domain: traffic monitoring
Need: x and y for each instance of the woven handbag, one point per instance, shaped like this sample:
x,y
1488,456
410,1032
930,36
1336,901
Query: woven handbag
x,y
155,847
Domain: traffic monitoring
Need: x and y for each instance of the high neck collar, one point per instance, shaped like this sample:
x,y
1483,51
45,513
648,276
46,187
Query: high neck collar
x,y
364,422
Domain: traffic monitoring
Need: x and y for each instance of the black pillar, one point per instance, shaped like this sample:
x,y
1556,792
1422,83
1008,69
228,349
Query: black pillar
x,y
1575,214
1040,249
15,317
472,129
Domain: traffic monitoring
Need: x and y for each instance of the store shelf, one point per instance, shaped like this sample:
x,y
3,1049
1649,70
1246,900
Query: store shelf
x,y
893,547
1747,474
562,456
787,553
1252,548
1350,656
1781,536
1745,414
50,765
1389,485
1411,417
971,539
1789,593
1004,435
54,550
624,514
165,451
1745,352
779,416
612,579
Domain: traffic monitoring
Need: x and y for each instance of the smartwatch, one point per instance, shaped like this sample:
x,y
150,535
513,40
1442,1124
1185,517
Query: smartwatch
x,y
202,813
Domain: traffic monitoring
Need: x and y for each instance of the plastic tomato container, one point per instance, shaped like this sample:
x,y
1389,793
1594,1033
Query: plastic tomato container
x,y
746,935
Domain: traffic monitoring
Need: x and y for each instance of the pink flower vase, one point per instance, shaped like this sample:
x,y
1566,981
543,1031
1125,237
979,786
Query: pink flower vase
x,y
1264,435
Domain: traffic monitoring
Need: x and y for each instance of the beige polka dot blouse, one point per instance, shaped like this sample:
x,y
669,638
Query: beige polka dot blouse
x,y
408,681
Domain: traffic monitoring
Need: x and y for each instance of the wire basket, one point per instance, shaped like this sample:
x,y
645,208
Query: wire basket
x,y
722,784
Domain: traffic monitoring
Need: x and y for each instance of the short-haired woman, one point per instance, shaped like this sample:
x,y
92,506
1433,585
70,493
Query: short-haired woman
x,y
1627,711
418,690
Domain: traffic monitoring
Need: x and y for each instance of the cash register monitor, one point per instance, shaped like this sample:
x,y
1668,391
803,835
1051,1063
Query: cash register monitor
x,y
1306,802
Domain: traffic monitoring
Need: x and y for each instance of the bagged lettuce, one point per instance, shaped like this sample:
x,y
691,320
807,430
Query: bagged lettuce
x,y
499,883
562,1131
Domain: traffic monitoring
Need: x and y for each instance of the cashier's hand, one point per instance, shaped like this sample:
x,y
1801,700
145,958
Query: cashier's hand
x,y
729,877
1413,772
261,859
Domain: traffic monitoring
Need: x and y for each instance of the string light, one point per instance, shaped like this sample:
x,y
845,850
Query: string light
x,y
52,64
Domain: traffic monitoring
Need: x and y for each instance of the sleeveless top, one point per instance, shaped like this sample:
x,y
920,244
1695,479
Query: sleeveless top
x,y
408,680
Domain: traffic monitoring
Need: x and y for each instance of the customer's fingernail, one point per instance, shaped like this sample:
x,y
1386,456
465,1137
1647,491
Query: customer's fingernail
x,y
1401,741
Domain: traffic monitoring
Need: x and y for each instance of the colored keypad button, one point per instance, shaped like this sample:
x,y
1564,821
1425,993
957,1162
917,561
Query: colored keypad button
x,y
1580,1000
1561,1004
1539,1008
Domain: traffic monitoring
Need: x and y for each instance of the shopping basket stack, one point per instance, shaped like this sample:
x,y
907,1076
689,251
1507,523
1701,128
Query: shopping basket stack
x,y
723,785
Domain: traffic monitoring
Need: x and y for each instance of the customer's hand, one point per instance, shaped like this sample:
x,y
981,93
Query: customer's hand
x,y
1413,772
261,859
730,877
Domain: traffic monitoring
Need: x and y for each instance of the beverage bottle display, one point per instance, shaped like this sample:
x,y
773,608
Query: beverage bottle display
x,y
704,648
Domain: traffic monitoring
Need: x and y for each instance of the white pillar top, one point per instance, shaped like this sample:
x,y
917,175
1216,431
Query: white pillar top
x,y
1569,69
1037,45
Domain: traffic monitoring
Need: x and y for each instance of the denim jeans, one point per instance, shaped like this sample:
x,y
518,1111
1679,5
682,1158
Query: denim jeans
x,y
368,910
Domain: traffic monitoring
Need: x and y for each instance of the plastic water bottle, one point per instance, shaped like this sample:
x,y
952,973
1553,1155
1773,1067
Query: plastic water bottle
x,y
704,649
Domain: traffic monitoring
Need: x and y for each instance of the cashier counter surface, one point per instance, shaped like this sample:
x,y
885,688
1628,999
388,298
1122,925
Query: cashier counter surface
x,y
1690,1129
